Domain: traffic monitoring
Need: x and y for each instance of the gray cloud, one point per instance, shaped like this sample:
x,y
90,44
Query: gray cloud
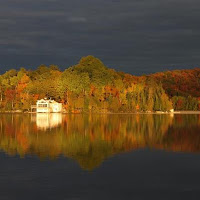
x,y
136,36
77,19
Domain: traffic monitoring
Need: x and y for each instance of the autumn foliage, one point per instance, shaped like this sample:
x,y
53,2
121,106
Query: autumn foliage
x,y
90,86
182,86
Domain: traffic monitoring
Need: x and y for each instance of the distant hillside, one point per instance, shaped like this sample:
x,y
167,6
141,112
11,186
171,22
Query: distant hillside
x,y
90,86
181,86
180,82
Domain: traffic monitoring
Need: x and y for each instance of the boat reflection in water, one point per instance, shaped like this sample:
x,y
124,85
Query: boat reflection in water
x,y
90,139
46,121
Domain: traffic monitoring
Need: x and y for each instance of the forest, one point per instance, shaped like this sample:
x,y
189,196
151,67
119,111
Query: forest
x,y
90,86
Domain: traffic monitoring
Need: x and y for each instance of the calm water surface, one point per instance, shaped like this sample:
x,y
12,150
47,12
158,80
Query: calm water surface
x,y
55,156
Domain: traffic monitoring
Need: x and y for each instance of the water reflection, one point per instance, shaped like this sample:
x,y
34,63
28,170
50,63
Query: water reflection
x,y
46,121
90,139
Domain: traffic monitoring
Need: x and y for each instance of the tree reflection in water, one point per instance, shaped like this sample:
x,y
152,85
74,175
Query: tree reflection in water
x,y
90,139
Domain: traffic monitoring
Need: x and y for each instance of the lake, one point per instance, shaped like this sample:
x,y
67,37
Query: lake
x,y
116,156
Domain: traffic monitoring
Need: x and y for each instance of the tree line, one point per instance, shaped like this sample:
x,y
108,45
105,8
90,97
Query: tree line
x,y
90,86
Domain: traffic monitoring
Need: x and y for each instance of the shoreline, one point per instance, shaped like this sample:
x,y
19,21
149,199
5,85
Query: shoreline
x,y
110,113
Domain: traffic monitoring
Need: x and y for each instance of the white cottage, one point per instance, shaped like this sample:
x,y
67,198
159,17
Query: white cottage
x,y
48,106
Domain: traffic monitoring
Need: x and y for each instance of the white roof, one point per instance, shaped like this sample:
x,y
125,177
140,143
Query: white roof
x,y
46,101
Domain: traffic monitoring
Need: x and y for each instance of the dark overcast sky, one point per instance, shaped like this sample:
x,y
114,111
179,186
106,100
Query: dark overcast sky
x,y
135,36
